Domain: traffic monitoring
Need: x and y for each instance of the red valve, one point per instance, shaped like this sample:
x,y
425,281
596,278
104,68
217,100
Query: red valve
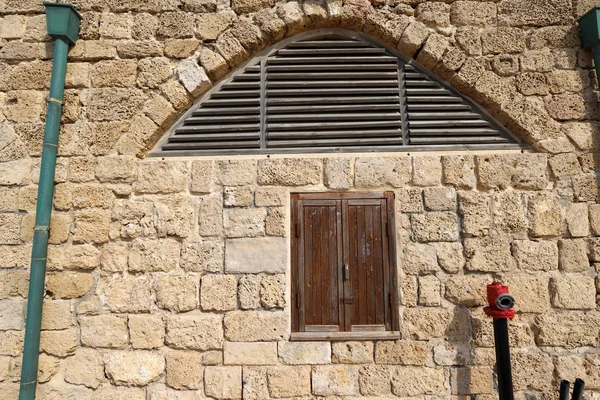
x,y
501,303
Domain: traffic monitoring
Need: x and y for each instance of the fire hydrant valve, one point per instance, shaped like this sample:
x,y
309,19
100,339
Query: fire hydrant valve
x,y
500,301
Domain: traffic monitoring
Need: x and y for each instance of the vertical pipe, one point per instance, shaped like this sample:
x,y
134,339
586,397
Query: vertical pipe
x,y
505,386
578,389
35,297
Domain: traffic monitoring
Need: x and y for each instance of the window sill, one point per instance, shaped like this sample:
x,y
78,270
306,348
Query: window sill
x,y
320,336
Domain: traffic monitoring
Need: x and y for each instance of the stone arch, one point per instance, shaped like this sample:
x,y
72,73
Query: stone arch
x,y
433,47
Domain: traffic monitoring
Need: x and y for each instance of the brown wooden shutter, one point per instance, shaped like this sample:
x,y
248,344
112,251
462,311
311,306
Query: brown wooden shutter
x,y
342,275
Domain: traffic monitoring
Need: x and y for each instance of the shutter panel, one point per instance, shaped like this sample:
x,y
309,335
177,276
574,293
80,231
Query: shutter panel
x,y
319,265
331,91
367,263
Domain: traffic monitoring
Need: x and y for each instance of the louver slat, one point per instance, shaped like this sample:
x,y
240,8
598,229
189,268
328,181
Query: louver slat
x,y
357,102
332,92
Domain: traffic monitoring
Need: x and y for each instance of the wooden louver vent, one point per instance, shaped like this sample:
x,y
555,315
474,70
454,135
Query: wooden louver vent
x,y
327,93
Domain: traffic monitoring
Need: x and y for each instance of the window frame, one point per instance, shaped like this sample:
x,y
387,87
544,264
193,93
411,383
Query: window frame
x,y
295,231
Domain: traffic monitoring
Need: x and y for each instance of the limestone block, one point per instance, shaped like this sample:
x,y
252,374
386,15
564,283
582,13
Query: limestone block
x,y
146,331
126,294
181,48
594,218
473,13
275,222
508,212
585,187
111,104
489,254
13,283
204,256
290,172
256,255
272,291
401,352
254,382
272,27
195,331
159,110
545,215
144,26
446,353
23,105
202,176
576,217
573,291
211,25
153,255
433,50
174,216
15,172
495,171
223,382
338,173
469,40
468,290
68,285
535,256
13,314
57,315
300,353
218,292
244,222
200,6
104,330
409,290
419,259
341,380
531,370
270,196
243,353
86,367
14,51
450,256
114,73
287,381
154,71
161,177
255,326
382,171
427,171
531,172
459,171
435,227
235,172
184,369
352,352
11,225
439,198
409,200
115,26
135,217
231,49
249,291
475,210
13,27
432,322
176,94
248,35
210,215
416,381
177,292
536,13
502,40
530,292
569,330
374,380
193,77
564,165
532,83
136,368
470,380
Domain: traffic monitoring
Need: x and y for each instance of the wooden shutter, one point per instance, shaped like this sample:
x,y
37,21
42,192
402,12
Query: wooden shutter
x,y
342,258
331,91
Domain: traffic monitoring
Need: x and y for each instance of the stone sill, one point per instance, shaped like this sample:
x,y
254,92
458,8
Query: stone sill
x,y
320,336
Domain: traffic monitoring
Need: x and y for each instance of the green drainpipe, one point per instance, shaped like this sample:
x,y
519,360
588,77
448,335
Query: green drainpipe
x,y
63,26
589,27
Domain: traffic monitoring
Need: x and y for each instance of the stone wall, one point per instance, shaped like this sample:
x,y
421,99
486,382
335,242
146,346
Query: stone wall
x,y
157,286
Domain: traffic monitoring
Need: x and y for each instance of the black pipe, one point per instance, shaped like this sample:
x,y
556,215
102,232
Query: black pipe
x,y
505,385
564,390
578,389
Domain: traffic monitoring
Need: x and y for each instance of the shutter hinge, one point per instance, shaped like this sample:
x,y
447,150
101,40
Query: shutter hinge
x,y
298,302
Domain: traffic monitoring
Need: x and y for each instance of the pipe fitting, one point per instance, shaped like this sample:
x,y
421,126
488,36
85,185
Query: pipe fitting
x,y
500,302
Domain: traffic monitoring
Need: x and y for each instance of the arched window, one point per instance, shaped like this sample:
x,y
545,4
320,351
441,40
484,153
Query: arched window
x,y
331,91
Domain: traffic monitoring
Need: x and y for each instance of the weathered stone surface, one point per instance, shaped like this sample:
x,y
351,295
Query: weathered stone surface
x,y
110,104
508,212
545,215
468,290
195,331
193,77
531,172
255,326
459,171
435,227
174,216
413,381
502,40
215,65
68,285
439,198
204,256
419,259
289,172
401,352
161,177
211,25
535,13
244,222
272,291
431,322
409,200
184,369
210,215
86,367
335,380
153,255
248,255
474,208
286,381
577,220
177,292
57,315
450,256
468,380
136,368
218,292
535,256
127,293
531,292
243,353
295,353
202,176
573,292
249,291
338,173
104,331
146,331
13,314
473,13
569,330
377,172
573,255
352,352
488,254
427,171
223,382
374,380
